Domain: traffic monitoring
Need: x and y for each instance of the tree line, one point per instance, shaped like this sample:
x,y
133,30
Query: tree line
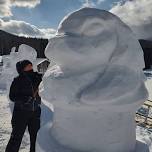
x,y
7,41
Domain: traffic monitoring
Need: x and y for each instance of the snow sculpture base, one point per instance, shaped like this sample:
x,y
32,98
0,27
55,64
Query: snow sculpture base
x,y
47,142
141,147
96,86
54,146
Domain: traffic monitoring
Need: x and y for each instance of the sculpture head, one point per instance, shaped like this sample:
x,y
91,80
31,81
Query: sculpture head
x,y
96,40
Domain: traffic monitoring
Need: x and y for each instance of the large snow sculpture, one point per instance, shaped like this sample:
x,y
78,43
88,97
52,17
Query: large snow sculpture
x,y
96,86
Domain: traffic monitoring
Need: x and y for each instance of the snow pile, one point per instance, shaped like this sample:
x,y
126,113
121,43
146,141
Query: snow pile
x,y
96,86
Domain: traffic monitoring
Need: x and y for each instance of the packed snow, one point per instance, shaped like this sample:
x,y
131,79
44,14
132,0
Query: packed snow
x,y
95,87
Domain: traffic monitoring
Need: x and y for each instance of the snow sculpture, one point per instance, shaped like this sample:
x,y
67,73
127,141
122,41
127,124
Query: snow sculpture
x,y
9,62
95,87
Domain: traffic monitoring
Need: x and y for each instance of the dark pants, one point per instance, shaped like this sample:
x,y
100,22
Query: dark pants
x,y
20,120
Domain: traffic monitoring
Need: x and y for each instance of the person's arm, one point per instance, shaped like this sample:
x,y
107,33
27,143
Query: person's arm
x,y
14,93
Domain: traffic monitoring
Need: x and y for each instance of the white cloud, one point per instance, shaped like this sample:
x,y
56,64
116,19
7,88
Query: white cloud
x,y
100,1
5,5
87,3
138,15
22,28
5,8
91,3
25,3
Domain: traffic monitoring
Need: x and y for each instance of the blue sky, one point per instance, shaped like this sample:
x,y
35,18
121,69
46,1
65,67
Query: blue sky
x,y
40,18
50,12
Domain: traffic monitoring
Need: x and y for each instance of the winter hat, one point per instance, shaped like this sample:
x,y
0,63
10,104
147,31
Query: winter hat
x,y
21,65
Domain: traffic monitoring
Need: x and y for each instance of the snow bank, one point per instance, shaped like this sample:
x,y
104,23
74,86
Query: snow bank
x,y
95,87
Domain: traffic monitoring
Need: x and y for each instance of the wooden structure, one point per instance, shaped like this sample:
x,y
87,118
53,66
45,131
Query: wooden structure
x,y
143,117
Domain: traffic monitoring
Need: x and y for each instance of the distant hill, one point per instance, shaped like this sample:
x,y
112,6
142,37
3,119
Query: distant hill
x,y
147,48
7,41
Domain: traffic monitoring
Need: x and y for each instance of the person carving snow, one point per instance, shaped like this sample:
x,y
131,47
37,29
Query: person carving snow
x,y
27,110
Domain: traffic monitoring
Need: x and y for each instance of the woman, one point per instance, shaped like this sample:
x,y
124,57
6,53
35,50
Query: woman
x,y
27,111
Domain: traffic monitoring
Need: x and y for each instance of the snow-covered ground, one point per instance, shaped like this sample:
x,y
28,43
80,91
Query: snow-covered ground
x,y
5,125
